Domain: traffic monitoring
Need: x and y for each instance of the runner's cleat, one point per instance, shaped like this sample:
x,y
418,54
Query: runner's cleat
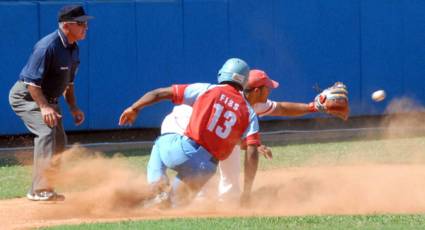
x,y
45,196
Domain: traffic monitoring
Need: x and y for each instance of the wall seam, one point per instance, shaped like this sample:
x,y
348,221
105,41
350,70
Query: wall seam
x,y
136,27
89,122
39,20
183,38
228,28
360,54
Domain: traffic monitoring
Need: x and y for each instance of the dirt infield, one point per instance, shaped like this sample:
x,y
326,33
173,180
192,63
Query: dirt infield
x,y
363,189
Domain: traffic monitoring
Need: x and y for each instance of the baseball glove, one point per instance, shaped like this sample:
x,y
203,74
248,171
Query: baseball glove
x,y
333,101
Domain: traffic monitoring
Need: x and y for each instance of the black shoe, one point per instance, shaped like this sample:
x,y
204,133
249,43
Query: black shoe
x,y
45,195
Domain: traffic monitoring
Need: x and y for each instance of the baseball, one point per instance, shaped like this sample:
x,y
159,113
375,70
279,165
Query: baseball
x,y
378,95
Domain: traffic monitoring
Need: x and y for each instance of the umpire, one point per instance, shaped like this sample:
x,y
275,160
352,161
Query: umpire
x,y
48,74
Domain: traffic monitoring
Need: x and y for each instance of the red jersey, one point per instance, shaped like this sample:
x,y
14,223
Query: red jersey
x,y
221,117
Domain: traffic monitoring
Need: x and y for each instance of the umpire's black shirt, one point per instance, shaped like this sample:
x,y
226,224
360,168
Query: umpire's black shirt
x,y
52,64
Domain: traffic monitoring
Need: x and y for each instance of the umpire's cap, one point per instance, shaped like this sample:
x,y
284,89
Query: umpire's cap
x,y
73,13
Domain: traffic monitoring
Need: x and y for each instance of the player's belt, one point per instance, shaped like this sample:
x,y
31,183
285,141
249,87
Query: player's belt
x,y
213,160
196,145
191,142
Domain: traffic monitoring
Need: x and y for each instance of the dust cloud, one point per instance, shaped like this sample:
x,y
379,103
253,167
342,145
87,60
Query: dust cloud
x,y
386,176
406,118
97,185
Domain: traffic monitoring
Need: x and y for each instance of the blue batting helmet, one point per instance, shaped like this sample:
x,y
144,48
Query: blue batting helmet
x,y
234,70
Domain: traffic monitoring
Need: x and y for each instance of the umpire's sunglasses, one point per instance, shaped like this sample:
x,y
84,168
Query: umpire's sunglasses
x,y
79,23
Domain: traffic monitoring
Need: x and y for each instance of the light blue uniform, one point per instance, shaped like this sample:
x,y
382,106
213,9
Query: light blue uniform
x,y
194,164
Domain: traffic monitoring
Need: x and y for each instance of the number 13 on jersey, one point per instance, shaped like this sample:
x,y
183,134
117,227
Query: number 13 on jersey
x,y
230,120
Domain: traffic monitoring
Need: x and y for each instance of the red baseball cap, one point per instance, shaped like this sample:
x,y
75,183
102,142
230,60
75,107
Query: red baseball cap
x,y
258,78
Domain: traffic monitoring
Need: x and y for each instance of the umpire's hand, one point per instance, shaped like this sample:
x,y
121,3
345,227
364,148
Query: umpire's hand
x,y
78,116
50,116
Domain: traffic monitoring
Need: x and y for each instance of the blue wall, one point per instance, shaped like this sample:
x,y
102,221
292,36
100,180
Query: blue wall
x,y
135,46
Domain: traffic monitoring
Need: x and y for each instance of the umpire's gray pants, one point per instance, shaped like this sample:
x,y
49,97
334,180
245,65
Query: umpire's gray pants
x,y
47,142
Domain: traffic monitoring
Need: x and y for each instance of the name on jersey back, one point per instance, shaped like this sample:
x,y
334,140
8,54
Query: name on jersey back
x,y
229,102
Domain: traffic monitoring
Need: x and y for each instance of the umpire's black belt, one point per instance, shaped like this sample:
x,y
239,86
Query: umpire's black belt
x,y
52,100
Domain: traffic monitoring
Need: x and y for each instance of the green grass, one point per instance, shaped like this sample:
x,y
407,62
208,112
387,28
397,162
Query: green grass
x,y
15,179
304,222
388,151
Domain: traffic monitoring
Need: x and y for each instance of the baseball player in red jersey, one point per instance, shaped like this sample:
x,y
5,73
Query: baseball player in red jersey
x,y
221,117
257,92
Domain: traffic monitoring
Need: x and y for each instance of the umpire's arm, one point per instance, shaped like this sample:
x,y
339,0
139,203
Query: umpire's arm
x,y
49,114
69,95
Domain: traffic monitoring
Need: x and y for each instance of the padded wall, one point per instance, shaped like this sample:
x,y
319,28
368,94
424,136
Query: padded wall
x,y
135,46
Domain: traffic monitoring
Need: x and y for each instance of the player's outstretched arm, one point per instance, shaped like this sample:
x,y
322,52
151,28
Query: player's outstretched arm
x,y
130,114
250,167
291,109
333,101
